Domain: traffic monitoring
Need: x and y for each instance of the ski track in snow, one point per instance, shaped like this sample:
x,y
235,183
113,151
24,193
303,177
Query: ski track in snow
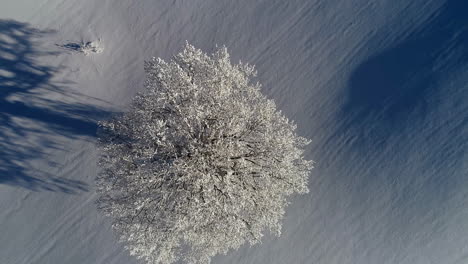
x,y
379,86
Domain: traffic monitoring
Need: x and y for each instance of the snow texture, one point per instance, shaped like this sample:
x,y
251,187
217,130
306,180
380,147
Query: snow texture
x,y
379,86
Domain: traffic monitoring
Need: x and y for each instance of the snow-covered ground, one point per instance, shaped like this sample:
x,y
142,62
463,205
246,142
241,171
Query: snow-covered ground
x,y
379,86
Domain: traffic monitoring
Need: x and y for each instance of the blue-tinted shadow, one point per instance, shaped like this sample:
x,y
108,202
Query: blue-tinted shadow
x,y
391,85
21,76
392,99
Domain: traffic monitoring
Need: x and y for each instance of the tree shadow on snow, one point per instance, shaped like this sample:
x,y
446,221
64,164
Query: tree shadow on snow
x,y
397,91
398,82
27,116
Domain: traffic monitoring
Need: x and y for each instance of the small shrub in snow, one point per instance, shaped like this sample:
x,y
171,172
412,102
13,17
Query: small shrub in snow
x,y
91,47
84,47
202,162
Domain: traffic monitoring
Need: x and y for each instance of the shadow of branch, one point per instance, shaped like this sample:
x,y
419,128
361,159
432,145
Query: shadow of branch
x,y
26,115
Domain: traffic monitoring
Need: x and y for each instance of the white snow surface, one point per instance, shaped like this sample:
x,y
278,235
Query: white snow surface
x,y
379,86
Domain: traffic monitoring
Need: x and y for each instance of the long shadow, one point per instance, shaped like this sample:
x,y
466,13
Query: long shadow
x,y
398,82
26,112
396,95
402,131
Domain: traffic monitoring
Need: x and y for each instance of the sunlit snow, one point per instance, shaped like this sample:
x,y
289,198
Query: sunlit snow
x,y
379,86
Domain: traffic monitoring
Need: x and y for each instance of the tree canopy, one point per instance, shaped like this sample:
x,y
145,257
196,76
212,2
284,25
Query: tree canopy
x,y
201,163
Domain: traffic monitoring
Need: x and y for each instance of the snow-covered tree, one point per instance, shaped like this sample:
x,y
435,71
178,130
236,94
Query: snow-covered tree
x,y
201,163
